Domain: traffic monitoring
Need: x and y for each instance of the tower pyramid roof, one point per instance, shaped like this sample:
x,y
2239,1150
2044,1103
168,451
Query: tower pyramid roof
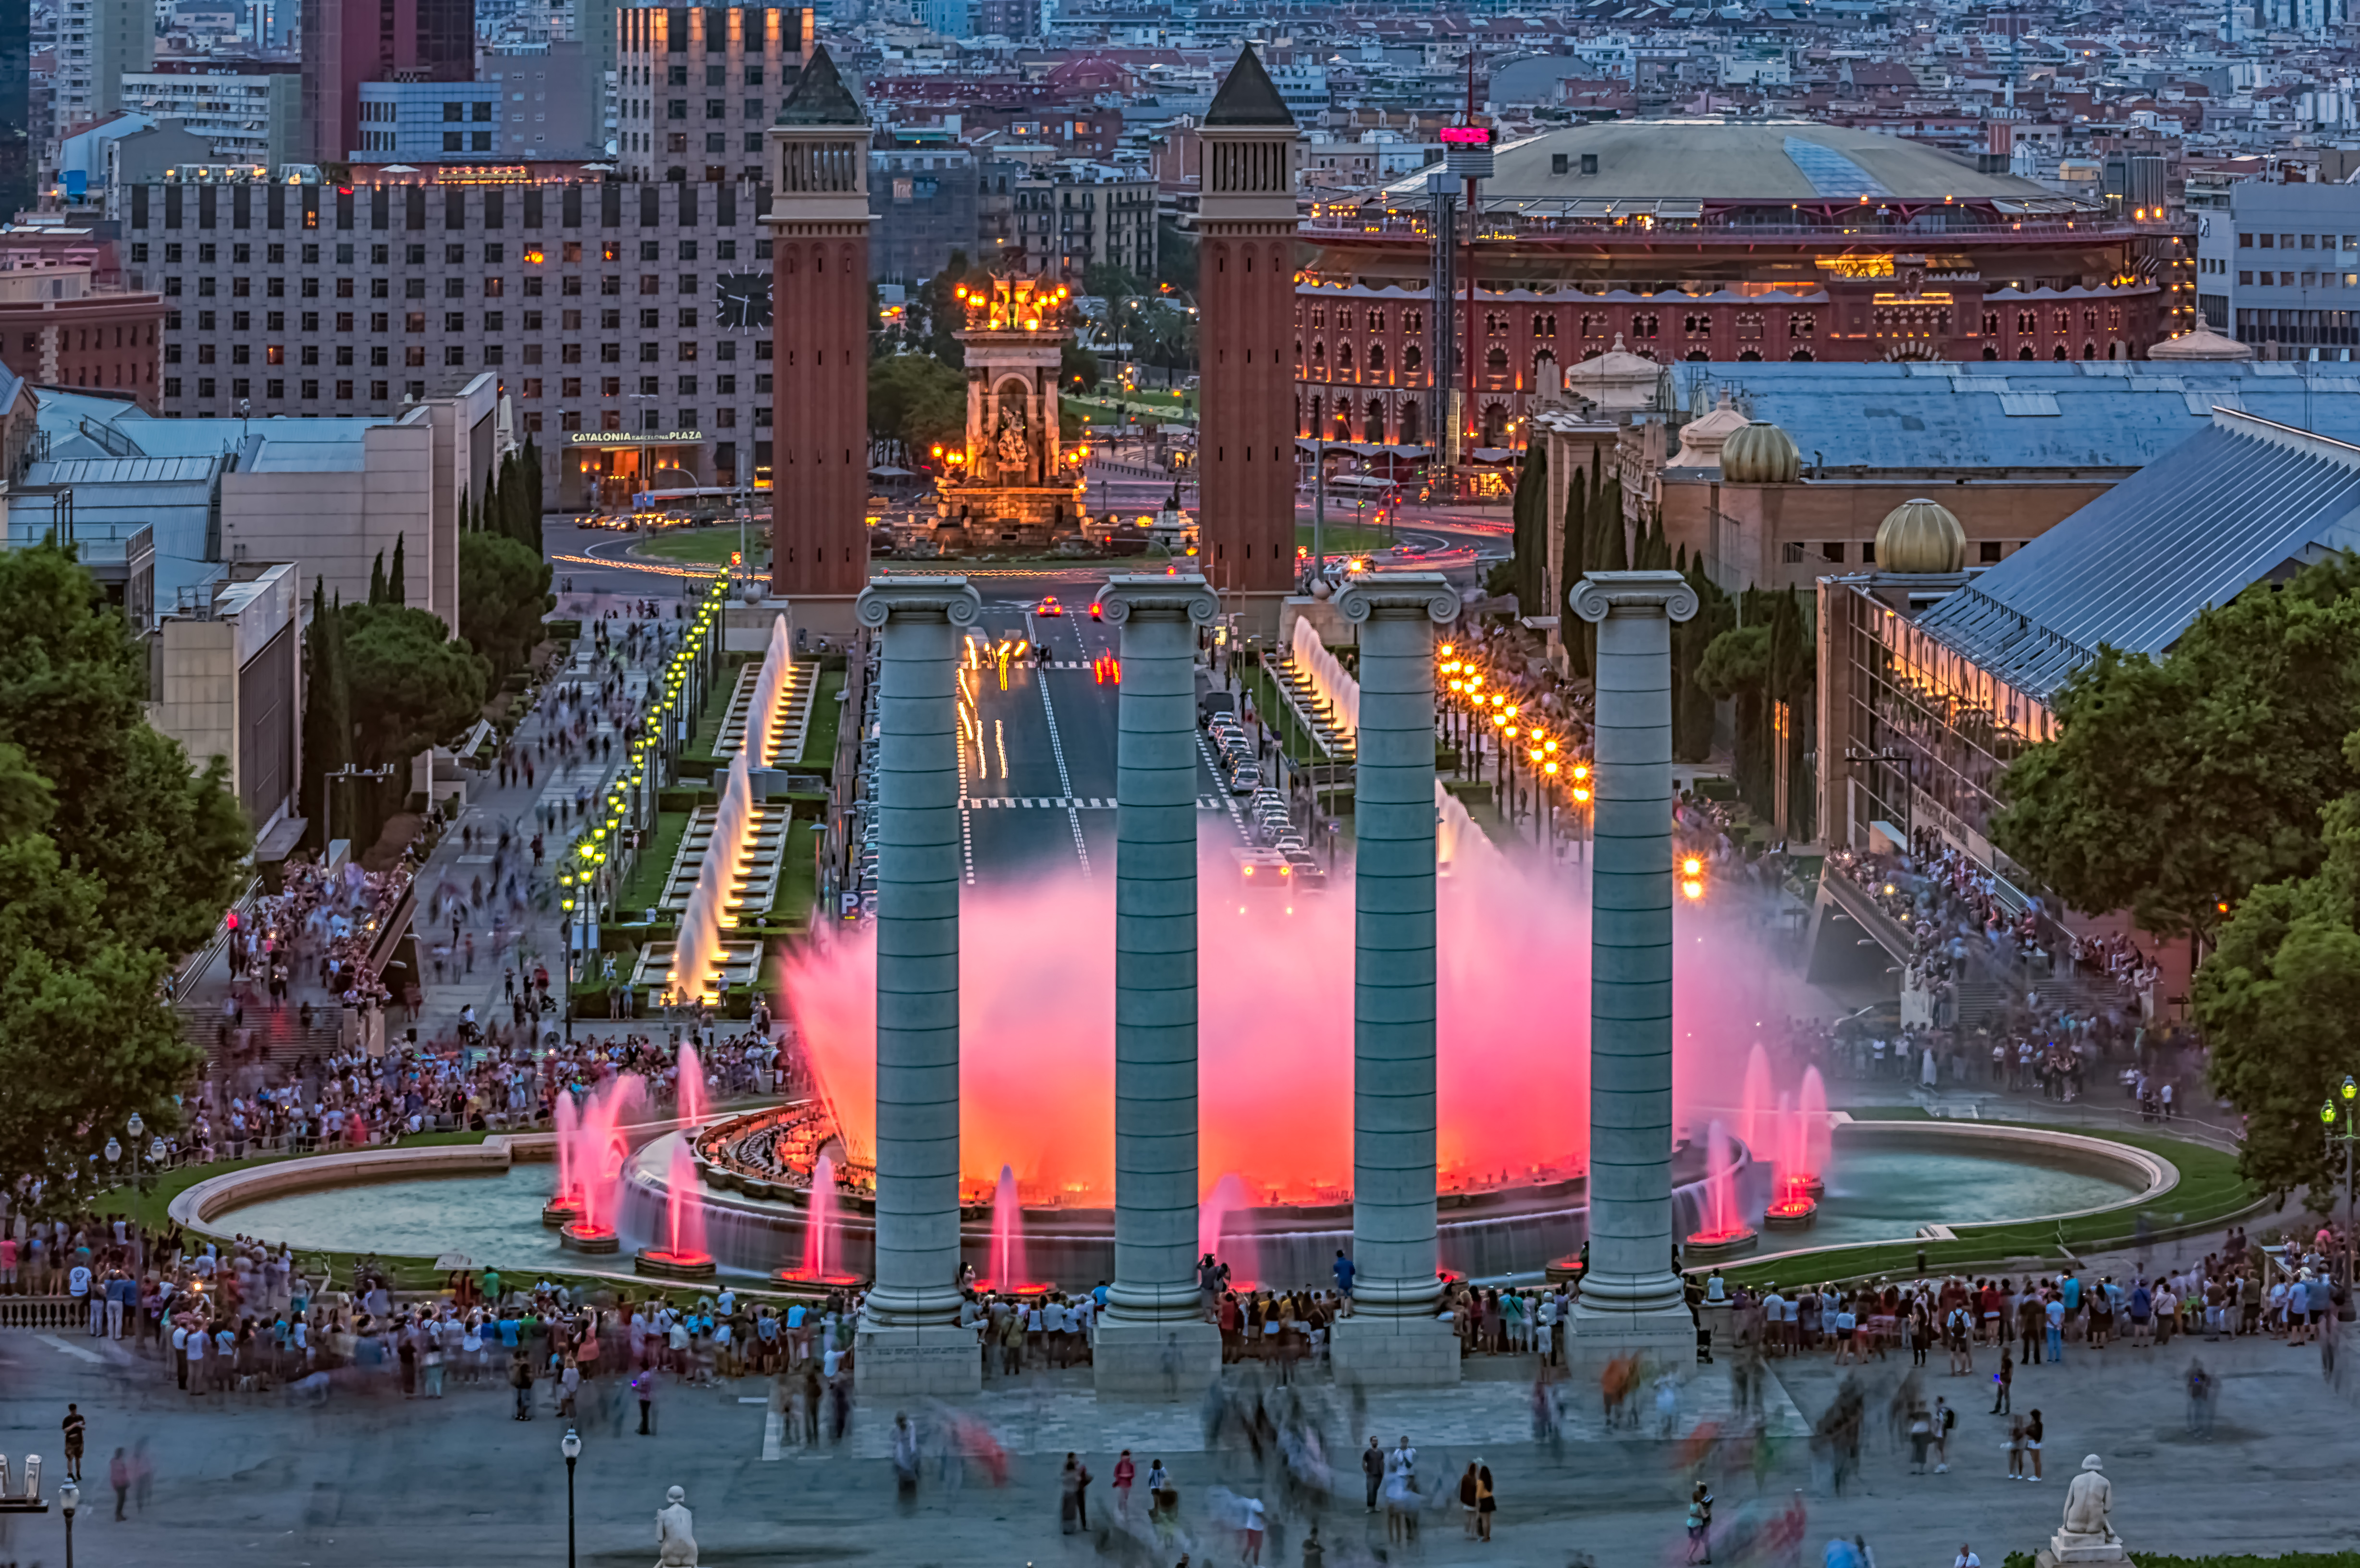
x,y
1247,98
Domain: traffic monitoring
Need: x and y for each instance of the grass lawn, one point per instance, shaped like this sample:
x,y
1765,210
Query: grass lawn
x,y
703,546
798,879
1280,718
2210,1193
645,883
819,740
1343,538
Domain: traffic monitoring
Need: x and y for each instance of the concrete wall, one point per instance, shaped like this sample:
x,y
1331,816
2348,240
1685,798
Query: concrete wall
x,y
1750,547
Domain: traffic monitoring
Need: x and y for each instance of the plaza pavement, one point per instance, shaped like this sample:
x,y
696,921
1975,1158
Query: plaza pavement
x,y
376,1480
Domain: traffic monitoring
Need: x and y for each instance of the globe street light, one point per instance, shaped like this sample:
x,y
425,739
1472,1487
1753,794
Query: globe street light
x,y
571,1445
135,1127
69,1499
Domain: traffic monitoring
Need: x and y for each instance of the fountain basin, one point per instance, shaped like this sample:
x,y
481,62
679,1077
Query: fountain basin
x,y
662,1264
1719,1246
1792,1213
594,1240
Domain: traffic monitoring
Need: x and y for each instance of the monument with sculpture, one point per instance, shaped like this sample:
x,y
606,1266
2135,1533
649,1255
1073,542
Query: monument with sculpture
x,y
1012,482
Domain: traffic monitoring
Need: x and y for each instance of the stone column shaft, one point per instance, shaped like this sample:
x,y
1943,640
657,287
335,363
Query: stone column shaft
x,y
1155,948
1393,945
917,948
1631,1270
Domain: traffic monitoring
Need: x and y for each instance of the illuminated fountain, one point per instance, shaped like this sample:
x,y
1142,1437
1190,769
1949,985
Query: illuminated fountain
x,y
1004,1270
682,1255
566,1204
599,1156
1722,1232
823,1262
1215,1238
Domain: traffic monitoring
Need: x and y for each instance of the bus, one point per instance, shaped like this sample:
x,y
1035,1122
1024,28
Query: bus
x,y
1265,882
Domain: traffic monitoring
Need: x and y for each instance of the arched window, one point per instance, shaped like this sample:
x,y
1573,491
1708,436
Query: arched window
x,y
1343,421
1343,359
2025,352
1319,356
2059,353
1376,321
1376,358
1413,359
1299,350
1990,352
1495,360
1375,428
1801,356
2090,350
1410,415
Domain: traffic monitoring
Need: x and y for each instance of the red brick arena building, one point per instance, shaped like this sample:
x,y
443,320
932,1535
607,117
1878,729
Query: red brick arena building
x,y
1712,241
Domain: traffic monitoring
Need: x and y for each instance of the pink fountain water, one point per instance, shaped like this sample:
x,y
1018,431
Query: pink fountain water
x,y
1722,1223
600,1151
1007,1255
567,1125
1234,1247
689,1087
683,1215
1816,1132
1276,1034
823,1243
1756,1124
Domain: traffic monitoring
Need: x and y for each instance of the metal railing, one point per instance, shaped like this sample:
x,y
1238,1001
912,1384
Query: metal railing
x,y
1510,225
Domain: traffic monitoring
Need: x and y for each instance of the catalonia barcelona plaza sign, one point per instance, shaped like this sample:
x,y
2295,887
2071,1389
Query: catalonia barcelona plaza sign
x,y
629,438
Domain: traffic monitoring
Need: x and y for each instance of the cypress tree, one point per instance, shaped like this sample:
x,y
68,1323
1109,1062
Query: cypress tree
x,y
466,514
377,581
1531,545
327,712
397,586
1573,551
528,464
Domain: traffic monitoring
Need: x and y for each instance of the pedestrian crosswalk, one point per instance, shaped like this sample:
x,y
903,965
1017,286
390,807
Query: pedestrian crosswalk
x,y
1064,803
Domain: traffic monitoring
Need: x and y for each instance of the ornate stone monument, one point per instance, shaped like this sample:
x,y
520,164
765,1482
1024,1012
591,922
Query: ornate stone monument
x,y
1011,482
2088,1535
675,1532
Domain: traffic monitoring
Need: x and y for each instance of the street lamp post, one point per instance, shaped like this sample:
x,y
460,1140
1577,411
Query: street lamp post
x,y
135,1126
69,1499
2329,1115
571,1445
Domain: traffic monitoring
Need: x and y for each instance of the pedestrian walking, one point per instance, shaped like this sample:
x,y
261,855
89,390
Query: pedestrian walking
x,y
1487,1501
2003,1382
75,1426
1700,1524
1372,1470
118,1476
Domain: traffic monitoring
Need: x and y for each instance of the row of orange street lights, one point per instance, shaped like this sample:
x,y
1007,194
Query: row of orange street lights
x,y
1471,704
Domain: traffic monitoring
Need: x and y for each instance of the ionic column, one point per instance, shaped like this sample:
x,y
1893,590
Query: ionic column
x,y
1155,1178
917,950
1396,1293
1629,1293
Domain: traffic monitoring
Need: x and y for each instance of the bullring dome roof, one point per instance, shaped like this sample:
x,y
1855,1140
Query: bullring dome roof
x,y
1755,163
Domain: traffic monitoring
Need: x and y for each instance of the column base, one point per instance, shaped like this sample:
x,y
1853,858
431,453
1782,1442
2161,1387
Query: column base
x,y
1166,1361
1664,1333
1394,1353
890,1363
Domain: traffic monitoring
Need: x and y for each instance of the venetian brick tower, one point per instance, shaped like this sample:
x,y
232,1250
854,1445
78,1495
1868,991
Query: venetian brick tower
x,y
818,161
1245,442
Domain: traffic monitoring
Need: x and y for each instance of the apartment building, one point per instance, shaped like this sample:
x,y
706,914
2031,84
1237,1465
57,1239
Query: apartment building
x,y
1069,215
629,322
99,43
2279,267
250,113
695,87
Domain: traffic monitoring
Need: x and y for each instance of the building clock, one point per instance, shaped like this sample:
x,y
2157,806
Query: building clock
x,y
742,301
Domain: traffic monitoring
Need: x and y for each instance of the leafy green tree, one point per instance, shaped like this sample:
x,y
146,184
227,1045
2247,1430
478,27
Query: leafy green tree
x,y
160,843
1573,562
1176,255
86,1038
396,576
2276,999
503,595
917,401
1692,704
376,580
1078,368
2175,787
417,686
1110,280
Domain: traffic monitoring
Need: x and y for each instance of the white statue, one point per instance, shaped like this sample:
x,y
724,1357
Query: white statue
x,y
2088,1535
675,1532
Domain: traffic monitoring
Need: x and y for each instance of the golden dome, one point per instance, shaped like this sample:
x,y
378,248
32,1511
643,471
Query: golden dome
x,y
1920,536
1760,454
